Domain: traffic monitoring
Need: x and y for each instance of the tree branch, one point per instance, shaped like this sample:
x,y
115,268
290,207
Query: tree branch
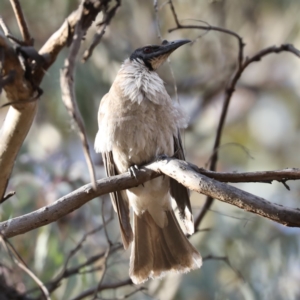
x,y
22,265
22,22
185,173
67,75
241,66
108,16
103,287
228,94
263,176
20,117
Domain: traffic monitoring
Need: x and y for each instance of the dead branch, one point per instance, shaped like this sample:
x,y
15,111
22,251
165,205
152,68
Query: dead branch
x,y
67,75
241,66
104,268
263,176
22,265
75,270
21,22
181,171
108,16
19,117
159,35
226,261
228,94
103,287
208,28
7,196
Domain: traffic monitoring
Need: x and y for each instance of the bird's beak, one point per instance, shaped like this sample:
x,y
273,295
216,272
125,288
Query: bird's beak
x,y
157,58
169,47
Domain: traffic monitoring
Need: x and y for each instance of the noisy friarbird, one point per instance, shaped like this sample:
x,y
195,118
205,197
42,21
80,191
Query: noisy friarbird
x,y
138,122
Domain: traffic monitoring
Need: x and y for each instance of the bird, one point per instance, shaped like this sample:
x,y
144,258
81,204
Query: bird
x,y
138,123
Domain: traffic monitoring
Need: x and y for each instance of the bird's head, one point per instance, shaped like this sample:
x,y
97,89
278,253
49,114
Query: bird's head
x,y
154,56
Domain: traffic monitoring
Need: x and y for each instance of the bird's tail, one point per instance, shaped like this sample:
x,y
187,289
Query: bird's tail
x,y
157,250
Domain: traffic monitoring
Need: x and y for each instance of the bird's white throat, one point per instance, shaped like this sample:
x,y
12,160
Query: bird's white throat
x,y
137,82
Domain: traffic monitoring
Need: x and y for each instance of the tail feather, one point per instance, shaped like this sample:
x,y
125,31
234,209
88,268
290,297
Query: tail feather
x,y
156,250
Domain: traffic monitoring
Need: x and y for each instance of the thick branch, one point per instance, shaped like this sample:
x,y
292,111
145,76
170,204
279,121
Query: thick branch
x,y
20,117
186,175
63,36
179,170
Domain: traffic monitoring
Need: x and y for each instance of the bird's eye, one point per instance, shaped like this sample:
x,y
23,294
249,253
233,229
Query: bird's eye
x,y
147,50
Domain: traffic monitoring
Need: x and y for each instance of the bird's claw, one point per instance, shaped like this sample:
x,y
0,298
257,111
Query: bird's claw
x,y
162,157
132,170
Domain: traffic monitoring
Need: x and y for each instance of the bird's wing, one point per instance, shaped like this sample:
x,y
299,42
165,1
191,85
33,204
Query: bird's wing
x,y
102,141
180,193
103,145
119,201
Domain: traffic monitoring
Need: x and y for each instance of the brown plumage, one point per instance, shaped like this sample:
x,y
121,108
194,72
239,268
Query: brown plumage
x,y
137,123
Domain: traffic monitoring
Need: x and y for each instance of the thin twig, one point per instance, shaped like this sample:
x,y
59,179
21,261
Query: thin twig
x,y
7,33
208,28
226,145
108,16
91,291
125,296
7,196
54,284
228,94
226,260
71,271
174,15
80,244
105,223
22,22
91,270
259,176
68,94
229,216
21,264
242,64
155,5
104,268
4,27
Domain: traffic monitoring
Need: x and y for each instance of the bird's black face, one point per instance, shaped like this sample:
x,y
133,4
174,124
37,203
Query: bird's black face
x,y
154,55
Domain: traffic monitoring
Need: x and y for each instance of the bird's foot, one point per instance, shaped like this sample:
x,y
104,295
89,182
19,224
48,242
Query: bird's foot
x,y
132,170
162,157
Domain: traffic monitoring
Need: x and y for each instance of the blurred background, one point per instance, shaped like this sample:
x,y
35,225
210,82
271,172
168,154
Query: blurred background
x,y
261,133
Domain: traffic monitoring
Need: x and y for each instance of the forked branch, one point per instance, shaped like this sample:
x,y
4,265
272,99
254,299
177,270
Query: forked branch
x,y
183,172
241,66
